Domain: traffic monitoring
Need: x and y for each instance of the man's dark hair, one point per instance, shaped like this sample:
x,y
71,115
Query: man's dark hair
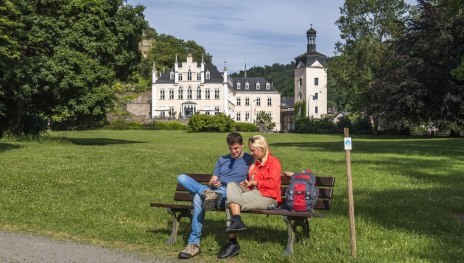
x,y
233,138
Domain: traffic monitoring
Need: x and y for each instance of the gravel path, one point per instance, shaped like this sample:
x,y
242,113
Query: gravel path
x,y
16,247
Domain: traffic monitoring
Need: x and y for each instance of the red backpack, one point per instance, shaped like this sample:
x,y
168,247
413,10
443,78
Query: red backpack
x,y
301,194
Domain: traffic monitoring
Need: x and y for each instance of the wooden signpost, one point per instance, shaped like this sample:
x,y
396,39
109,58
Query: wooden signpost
x,y
348,147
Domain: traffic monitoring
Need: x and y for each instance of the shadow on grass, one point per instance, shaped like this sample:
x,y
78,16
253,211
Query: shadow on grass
x,y
216,229
8,146
94,141
450,147
429,207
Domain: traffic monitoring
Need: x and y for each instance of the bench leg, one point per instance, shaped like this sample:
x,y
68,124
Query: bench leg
x,y
176,222
291,236
292,224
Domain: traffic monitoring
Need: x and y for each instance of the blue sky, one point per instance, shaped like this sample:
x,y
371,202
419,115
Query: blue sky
x,y
255,32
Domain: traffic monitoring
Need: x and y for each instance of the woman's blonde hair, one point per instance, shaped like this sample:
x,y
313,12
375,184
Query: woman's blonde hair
x,y
260,142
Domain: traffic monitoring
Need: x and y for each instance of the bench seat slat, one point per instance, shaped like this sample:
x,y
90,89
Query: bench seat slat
x,y
321,204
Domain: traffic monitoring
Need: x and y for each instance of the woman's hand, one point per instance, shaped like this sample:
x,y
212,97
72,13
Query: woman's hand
x,y
252,183
288,174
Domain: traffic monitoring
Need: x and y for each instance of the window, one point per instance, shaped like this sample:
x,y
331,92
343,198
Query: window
x,y
258,101
207,113
207,94
171,75
171,94
269,101
269,113
238,85
216,93
239,117
258,86
198,76
300,95
247,101
316,109
247,116
268,86
247,85
315,97
208,75
180,94
316,81
180,76
162,94
162,114
198,93
216,110
300,82
239,101
189,75
189,93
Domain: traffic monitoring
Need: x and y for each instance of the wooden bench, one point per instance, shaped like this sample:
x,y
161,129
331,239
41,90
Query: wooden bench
x,y
183,207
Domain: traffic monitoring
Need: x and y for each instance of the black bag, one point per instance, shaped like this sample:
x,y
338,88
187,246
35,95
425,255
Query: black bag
x,y
301,194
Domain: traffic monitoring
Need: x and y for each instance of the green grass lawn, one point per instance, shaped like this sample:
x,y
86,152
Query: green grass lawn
x,y
95,187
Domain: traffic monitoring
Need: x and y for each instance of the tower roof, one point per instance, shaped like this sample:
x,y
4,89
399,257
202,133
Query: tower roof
x,y
311,32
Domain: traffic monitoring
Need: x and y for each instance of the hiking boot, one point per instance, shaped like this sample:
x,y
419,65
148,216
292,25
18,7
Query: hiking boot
x,y
237,225
190,250
229,250
211,199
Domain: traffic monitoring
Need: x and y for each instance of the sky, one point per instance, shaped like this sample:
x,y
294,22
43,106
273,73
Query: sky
x,y
251,32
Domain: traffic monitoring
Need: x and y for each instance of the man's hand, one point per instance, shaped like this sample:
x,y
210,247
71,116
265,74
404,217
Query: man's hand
x,y
214,182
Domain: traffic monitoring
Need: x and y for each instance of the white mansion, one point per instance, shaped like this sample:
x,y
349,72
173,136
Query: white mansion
x,y
193,87
197,87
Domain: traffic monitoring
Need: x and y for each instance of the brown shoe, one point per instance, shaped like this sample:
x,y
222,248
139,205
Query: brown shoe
x,y
190,251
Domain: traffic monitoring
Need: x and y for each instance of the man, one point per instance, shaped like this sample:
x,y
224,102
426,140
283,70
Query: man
x,y
232,167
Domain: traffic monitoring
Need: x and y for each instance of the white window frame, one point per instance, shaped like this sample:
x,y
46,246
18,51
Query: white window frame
x,y
247,101
269,101
216,94
239,101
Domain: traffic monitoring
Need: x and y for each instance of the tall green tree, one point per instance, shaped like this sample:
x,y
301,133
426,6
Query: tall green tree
x,y
425,84
71,52
365,26
164,51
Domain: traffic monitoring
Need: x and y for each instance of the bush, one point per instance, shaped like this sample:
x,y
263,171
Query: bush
x,y
313,125
245,127
169,125
158,125
210,123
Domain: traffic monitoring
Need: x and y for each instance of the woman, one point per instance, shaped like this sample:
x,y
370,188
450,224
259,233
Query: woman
x,y
260,191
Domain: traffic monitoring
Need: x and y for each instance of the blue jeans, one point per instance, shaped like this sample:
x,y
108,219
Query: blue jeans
x,y
198,216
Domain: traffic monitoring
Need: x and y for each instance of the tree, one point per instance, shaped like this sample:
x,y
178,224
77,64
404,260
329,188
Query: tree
x,y
425,85
365,26
266,119
164,52
71,52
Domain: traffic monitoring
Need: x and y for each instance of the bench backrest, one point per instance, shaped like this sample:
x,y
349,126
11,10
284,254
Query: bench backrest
x,y
325,185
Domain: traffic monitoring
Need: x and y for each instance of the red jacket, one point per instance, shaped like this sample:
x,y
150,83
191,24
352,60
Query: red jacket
x,y
267,177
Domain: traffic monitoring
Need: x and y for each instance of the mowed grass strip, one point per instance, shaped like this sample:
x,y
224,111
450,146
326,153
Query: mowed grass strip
x,y
95,187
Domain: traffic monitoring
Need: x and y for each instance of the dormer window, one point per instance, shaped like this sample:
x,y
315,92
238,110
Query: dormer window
x,y
180,76
247,85
268,86
258,86
208,74
238,85
171,75
189,75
